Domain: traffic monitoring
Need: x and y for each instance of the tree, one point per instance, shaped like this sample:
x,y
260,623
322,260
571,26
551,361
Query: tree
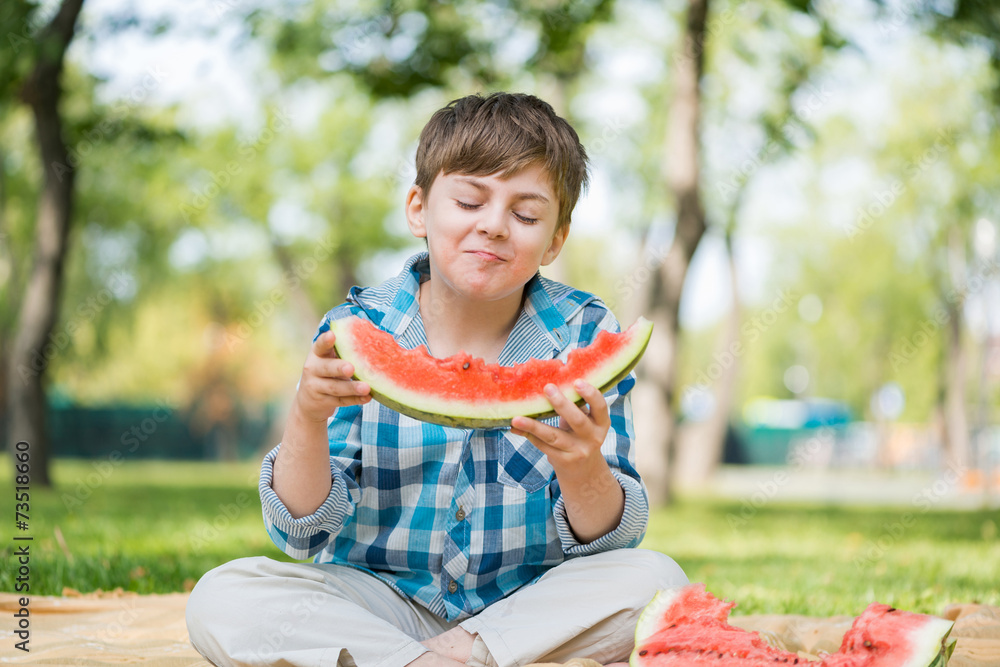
x,y
659,297
970,23
41,90
889,261
682,162
774,51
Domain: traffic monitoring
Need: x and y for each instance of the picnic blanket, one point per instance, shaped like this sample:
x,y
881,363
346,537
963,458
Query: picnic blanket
x,y
122,628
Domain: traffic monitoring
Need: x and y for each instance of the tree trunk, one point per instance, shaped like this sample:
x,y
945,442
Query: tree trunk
x,y
700,445
6,259
661,292
956,422
955,418
305,312
33,349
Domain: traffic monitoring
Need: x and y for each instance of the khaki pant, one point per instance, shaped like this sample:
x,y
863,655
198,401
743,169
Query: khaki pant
x,y
258,611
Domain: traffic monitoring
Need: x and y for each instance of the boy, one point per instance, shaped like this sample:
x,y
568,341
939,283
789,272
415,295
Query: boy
x,y
441,546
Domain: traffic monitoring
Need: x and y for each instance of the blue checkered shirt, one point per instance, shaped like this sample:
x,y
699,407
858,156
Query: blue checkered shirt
x,y
456,519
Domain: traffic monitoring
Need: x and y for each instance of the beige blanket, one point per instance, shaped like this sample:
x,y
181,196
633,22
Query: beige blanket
x,y
116,628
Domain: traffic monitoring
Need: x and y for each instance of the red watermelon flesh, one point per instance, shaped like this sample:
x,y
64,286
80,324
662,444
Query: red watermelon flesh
x,y
687,626
690,629
883,636
464,391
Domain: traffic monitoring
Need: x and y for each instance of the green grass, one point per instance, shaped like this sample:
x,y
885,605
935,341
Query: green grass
x,y
156,527
823,560
147,526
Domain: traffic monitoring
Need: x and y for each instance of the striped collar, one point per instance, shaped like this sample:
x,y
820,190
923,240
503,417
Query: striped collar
x,y
539,333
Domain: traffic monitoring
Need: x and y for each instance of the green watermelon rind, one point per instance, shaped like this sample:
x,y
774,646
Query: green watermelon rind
x,y
931,646
472,416
649,619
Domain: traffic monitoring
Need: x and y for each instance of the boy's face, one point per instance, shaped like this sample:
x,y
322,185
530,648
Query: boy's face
x,y
486,236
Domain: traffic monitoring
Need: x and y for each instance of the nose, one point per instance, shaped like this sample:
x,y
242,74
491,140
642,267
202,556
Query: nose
x,y
492,223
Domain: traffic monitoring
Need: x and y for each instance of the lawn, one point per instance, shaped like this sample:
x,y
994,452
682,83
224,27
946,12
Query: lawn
x,y
153,526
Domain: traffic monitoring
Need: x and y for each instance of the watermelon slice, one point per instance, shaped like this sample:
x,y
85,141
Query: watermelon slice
x,y
463,391
886,637
687,626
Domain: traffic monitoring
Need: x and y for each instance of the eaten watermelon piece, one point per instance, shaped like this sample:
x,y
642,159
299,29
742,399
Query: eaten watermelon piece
x,y
883,636
688,626
464,391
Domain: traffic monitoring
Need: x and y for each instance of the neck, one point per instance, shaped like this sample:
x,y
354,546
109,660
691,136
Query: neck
x,y
453,324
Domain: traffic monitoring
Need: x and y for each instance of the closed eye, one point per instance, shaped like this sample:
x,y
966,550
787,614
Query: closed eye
x,y
472,207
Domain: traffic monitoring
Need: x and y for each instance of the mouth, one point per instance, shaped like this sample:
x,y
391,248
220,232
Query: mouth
x,y
488,256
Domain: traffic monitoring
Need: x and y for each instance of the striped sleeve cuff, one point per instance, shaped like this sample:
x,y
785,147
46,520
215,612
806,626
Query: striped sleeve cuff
x,y
308,535
630,529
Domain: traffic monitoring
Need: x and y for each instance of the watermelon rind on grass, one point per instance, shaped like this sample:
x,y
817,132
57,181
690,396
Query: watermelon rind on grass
x,y
463,391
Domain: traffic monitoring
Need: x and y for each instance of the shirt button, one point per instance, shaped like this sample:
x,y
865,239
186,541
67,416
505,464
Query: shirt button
x,y
460,514
452,587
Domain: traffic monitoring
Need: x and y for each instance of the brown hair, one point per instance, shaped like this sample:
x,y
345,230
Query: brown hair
x,y
503,132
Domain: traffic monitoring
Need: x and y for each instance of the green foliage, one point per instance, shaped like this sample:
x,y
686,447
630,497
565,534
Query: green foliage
x,y
396,48
20,23
889,204
194,250
19,177
970,23
204,243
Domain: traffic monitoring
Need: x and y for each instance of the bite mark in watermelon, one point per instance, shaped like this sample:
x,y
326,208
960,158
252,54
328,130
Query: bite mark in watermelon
x,y
688,626
464,391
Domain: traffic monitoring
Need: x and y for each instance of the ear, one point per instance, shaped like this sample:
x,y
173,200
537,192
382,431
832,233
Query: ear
x,y
415,212
558,239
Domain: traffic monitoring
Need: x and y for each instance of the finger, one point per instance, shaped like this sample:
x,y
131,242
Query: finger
x,y
331,403
323,345
337,369
597,407
541,435
342,388
355,400
570,413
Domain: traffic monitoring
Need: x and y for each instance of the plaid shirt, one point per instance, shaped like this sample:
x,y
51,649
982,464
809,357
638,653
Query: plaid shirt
x,y
456,519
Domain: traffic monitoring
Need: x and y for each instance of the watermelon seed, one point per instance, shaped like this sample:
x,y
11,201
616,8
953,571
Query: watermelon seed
x,y
868,643
643,652
892,609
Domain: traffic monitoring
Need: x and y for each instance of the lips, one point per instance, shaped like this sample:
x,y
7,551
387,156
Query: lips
x,y
486,254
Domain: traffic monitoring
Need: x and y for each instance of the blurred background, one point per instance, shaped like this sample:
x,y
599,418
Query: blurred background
x,y
803,195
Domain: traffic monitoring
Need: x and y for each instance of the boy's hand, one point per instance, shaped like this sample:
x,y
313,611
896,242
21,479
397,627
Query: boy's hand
x,y
576,444
326,382
593,498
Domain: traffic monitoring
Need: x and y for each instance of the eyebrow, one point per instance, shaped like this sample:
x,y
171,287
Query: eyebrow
x,y
479,185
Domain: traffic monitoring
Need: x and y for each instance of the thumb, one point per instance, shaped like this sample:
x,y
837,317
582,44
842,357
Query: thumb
x,y
323,345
